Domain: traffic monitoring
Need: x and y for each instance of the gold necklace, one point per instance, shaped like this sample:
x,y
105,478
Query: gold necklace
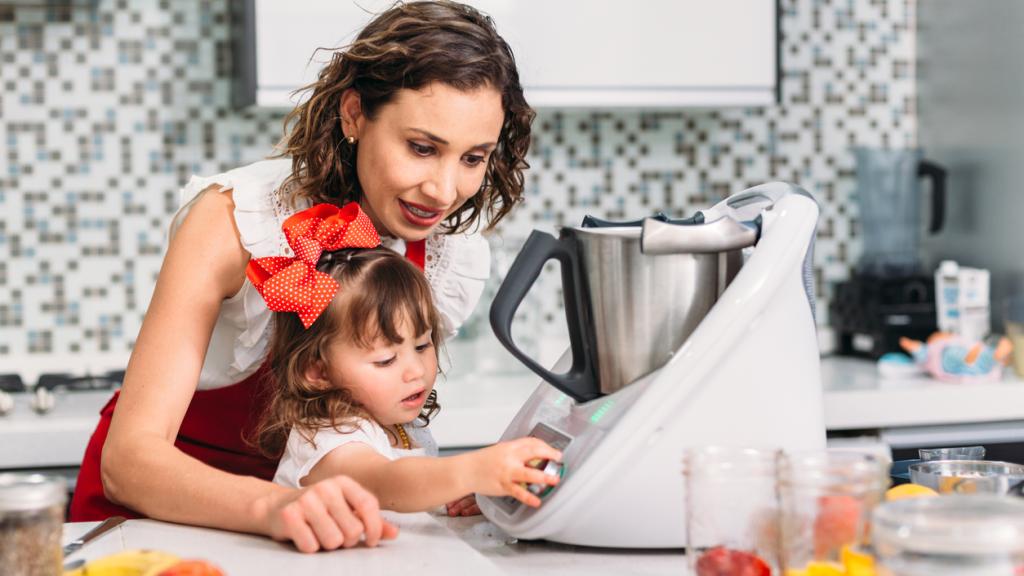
x,y
406,445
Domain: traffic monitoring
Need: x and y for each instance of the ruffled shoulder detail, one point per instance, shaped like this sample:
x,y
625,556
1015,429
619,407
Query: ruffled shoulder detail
x,y
259,208
457,267
241,336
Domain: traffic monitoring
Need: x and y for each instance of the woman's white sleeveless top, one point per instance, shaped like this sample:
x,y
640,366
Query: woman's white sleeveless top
x,y
457,266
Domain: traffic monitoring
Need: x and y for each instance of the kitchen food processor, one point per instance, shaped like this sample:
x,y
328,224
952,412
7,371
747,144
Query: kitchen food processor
x,y
683,333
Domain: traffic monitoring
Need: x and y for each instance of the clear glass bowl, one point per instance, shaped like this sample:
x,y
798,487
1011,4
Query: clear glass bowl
x,y
976,535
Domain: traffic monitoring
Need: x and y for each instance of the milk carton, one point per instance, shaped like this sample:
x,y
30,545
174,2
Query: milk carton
x,y
962,300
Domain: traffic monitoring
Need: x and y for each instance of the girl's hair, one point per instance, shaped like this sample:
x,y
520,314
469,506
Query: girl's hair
x,y
410,46
378,291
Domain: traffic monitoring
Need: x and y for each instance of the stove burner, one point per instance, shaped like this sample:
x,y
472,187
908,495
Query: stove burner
x,y
11,383
64,381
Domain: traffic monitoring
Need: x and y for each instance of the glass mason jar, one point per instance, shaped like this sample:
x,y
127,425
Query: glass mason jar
x,y
31,524
980,535
825,500
731,511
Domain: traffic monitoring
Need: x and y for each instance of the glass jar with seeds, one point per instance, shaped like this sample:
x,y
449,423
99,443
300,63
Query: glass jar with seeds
x,y
31,524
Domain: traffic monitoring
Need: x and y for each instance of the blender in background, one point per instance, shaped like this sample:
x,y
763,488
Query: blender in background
x,y
889,295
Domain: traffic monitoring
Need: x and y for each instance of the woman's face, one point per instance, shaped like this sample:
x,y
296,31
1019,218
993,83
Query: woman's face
x,y
423,155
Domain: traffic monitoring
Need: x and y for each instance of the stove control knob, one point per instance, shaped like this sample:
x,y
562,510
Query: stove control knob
x,y
550,468
6,403
43,401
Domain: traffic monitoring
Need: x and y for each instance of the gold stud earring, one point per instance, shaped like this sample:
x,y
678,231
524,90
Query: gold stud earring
x,y
350,139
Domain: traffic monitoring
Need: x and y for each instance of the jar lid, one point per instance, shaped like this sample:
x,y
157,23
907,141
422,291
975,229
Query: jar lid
x,y
974,524
22,492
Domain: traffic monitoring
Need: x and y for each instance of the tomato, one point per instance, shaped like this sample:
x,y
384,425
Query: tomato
x,y
722,561
192,568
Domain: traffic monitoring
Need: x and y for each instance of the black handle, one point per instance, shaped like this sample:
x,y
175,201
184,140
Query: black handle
x,y
580,382
592,222
937,174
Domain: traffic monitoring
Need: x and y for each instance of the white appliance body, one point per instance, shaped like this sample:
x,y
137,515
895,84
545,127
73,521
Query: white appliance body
x,y
748,376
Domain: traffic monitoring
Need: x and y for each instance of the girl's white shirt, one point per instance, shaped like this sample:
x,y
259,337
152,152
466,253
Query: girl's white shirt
x,y
457,267
301,455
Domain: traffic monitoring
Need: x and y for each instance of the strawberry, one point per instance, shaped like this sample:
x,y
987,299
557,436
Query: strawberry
x,y
722,561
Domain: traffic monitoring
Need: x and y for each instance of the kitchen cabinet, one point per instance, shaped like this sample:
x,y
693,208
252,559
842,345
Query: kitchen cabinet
x,y
571,53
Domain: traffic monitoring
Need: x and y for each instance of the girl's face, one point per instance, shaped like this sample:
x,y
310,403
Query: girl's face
x,y
392,381
423,155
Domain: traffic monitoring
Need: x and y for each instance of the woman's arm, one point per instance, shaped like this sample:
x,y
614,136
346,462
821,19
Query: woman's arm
x,y
416,484
142,469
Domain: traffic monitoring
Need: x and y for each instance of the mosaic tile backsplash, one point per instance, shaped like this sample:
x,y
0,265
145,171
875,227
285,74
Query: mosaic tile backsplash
x,y
108,107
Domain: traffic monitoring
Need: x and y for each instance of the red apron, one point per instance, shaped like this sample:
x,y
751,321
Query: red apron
x,y
213,431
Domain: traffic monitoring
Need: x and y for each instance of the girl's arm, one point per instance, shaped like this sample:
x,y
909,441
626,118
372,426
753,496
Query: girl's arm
x,y
416,484
142,469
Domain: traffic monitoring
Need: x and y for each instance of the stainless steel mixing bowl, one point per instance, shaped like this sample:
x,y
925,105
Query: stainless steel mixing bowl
x,y
969,476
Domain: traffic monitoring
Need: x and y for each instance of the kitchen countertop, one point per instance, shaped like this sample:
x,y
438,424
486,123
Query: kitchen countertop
x,y
857,398
428,544
475,409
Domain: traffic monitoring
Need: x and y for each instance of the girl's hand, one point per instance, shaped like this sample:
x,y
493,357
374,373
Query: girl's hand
x,y
327,515
465,506
501,470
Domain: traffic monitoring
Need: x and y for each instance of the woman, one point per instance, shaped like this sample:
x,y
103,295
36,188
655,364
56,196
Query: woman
x,y
421,120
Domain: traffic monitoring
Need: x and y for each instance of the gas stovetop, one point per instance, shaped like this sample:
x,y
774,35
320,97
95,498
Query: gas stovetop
x,y
64,381
48,424
43,398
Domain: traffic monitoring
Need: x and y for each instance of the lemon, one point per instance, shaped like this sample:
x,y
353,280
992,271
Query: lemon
x,y
909,491
857,563
825,569
128,563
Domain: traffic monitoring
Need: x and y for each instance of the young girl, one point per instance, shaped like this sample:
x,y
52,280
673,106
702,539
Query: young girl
x,y
354,357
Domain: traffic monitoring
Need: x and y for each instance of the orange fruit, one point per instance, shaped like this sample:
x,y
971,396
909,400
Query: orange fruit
x,y
909,491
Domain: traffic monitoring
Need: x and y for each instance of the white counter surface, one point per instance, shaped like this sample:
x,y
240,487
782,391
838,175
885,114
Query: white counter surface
x,y
476,409
427,545
856,397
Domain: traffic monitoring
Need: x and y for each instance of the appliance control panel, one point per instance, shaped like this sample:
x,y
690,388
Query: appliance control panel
x,y
557,440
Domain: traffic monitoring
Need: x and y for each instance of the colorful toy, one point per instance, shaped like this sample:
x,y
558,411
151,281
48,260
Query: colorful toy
x,y
951,358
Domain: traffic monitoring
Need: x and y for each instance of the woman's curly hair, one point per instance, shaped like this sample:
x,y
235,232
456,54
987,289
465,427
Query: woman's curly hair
x,y
410,46
378,290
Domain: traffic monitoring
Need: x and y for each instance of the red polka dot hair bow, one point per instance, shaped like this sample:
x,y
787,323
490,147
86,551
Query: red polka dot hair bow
x,y
294,284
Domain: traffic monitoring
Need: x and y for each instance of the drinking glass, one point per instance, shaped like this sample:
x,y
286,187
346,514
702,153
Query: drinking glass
x,y
958,453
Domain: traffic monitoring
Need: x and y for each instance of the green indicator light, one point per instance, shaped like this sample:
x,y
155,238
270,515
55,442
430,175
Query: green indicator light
x,y
560,400
601,411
